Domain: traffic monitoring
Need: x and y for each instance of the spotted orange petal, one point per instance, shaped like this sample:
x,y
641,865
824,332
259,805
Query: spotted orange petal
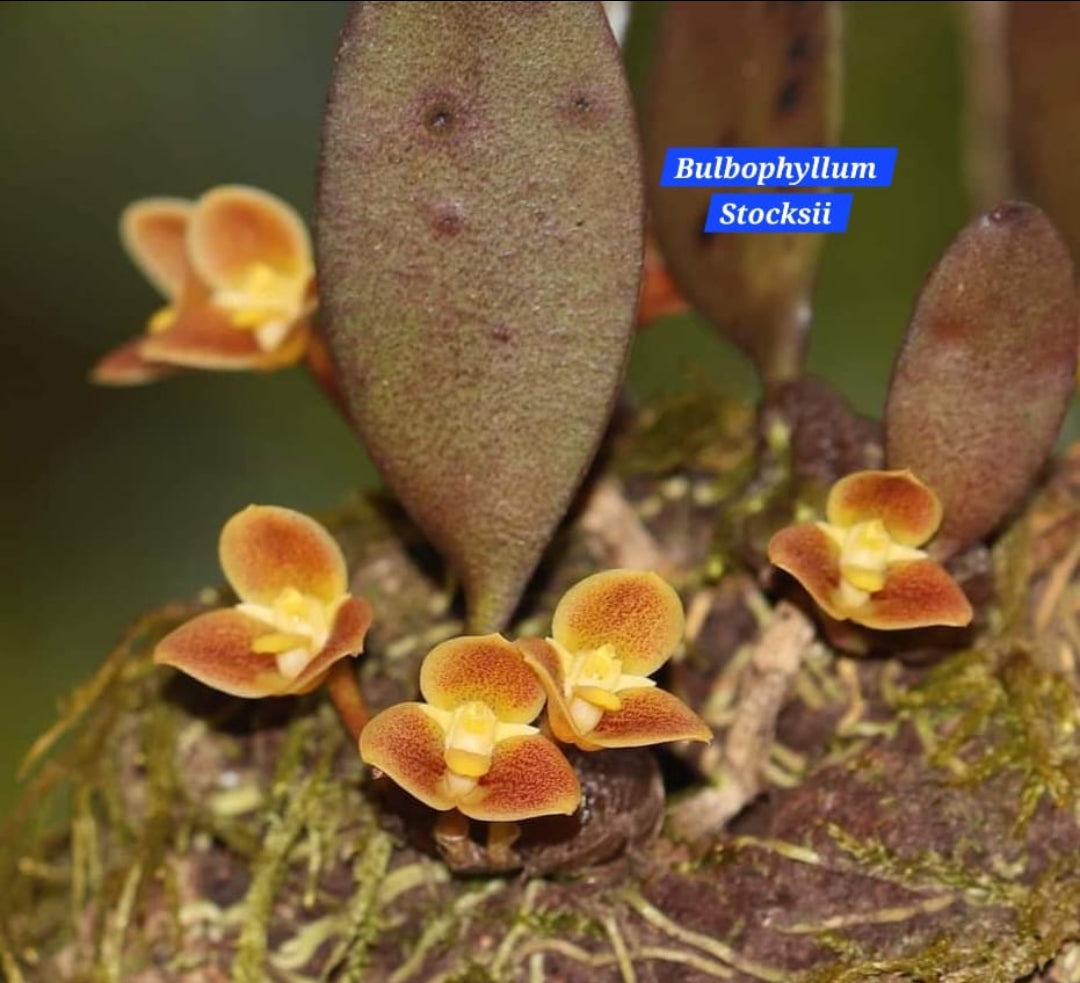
x,y
486,668
127,366
266,549
529,777
636,612
407,744
154,234
216,649
351,623
648,716
910,511
235,226
813,559
917,594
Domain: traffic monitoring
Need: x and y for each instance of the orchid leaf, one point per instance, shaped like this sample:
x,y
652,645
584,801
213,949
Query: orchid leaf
x,y
479,249
1042,40
729,75
986,370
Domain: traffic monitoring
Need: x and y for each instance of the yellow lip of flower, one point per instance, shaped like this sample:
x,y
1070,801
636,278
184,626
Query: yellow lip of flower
x,y
471,745
302,626
593,681
866,551
864,563
472,732
266,302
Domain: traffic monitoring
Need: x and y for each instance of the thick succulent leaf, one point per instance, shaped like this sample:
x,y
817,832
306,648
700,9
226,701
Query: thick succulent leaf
x,y
529,777
636,612
267,549
479,248
986,370
910,511
742,74
486,668
1042,40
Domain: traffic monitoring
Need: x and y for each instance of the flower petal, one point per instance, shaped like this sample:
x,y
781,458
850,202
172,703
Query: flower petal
x,y
126,366
234,226
917,594
910,511
637,612
808,553
350,626
541,657
216,649
204,337
154,234
406,744
529,777
649,716
486,668
266,549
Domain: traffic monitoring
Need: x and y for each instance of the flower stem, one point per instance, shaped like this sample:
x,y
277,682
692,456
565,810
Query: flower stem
x,y
347,697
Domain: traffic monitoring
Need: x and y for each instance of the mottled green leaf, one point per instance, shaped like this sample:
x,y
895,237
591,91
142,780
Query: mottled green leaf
x,y
479,249
742,74
1043,43
986,370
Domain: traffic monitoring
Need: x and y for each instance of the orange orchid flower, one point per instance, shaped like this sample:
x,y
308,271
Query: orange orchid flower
x,y
863,563
236,270
471,745
610,632
295,619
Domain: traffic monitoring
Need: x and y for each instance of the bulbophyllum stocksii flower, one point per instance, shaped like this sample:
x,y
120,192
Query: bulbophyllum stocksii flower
x,y
610,632
864,564
236,270
471,745
295,621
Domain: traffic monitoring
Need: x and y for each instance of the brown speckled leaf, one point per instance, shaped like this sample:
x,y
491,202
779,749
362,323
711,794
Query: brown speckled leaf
x,y
742,74
1042,40
479,251
986,370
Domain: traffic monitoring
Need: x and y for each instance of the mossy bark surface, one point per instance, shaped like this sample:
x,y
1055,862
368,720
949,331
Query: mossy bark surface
x,y
918,821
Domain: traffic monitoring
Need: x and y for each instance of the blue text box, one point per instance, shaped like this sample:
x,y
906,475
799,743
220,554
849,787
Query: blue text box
x,y
798,212
778,167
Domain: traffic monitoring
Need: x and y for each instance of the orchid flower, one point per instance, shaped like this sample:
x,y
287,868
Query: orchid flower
x,y
863,563
471,745
295,620
610,632
235,268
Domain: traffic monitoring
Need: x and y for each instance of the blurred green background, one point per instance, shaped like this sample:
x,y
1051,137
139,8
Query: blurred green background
x,y
113,498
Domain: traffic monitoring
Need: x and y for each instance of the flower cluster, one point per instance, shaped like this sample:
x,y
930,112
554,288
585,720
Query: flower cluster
x,y
863,563
236,271
473,743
